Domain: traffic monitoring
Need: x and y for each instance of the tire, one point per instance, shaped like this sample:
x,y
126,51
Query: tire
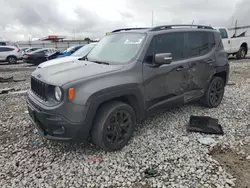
x,y
214,93
112,137
241,54
12,60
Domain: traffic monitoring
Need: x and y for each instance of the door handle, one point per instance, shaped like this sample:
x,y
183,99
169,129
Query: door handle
x,y
180,68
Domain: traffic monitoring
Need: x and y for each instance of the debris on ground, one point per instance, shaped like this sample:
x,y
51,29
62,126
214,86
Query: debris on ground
x,y
35,142
6,90
206,141
19,92
95,159
204,124
231,84
10,79
150,172
12,91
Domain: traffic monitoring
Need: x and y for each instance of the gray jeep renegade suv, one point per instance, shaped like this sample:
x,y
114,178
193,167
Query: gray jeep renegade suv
x,y
130,74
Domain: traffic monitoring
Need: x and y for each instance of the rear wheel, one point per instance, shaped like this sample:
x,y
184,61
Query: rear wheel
x,y
241,54
113,126
12,59
215,92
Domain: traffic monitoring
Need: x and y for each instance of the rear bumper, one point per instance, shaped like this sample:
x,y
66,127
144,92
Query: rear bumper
x,y
56,127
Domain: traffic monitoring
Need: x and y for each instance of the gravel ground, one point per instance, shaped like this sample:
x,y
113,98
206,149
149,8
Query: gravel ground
x,y
176,159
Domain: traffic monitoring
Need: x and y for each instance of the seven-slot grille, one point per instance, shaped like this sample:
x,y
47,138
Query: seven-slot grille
x,y
39,88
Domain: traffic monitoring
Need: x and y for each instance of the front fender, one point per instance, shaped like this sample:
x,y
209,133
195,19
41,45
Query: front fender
x,y
131,92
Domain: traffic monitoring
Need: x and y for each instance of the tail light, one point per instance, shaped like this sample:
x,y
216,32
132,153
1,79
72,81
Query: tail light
x,y
18,50
26,55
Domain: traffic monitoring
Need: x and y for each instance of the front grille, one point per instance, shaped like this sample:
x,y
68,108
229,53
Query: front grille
x,y
39,88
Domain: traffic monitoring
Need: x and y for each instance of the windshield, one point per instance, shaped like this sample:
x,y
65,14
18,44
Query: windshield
x,y
83,50
117,48
70,49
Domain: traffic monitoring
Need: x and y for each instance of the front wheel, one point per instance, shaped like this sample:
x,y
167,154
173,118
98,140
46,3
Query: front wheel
x,y
214,93
113,126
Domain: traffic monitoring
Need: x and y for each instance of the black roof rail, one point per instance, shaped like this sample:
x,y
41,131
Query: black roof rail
x,y
127,29
162,27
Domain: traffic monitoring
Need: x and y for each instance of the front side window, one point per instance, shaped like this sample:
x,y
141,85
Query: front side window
x,y
223,33
171,43
200,43
117,48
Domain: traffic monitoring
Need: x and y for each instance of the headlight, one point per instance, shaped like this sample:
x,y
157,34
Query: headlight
x,y
58,93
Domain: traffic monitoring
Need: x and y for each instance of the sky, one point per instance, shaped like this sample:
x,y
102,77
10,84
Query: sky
x,y
24,19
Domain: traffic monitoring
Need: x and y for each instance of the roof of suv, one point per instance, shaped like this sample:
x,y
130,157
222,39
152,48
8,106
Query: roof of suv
x,y
164,28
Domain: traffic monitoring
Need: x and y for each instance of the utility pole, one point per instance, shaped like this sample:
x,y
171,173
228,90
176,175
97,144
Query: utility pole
x,y
192,23
152,18
74,32
235,27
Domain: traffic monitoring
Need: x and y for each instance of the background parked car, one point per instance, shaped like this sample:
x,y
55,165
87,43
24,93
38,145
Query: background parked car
x,y
31,49
24,49
70,50
81,53
234,45
10,54
3,44
38,56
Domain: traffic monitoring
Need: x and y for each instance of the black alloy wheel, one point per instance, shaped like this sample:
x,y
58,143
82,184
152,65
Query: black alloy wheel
x,y
215,92
113,126
117,127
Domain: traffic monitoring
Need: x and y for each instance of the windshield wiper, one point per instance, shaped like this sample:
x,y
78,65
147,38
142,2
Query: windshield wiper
x,y
100,62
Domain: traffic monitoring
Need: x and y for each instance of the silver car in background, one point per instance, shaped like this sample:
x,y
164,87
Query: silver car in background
x,y
10,54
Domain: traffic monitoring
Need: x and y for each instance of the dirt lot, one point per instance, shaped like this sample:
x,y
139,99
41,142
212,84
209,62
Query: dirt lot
x,y
27,160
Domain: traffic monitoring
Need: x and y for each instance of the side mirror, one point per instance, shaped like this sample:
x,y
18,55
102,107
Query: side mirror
x,y
163,58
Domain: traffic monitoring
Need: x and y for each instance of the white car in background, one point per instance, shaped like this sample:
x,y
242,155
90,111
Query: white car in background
x,y
234,45
10,54
76,56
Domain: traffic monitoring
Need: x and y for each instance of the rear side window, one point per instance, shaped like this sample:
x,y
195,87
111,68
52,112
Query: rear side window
x,y
200,43
6,49
223,33
171,43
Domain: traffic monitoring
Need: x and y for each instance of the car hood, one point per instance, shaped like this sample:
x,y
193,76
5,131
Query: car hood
x,y
67,69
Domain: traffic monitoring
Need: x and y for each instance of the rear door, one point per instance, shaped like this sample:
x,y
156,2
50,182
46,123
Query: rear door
x,y
201,54
1,54
5,52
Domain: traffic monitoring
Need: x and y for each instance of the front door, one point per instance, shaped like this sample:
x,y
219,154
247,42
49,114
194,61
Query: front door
x,y
225,40
168,81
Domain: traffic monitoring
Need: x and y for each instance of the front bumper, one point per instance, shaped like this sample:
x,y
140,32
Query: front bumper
x,y
56,127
